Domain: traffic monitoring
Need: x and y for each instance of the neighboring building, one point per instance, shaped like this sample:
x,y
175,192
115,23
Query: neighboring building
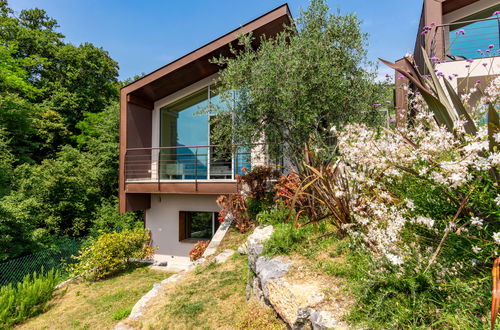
x,y
168,167
464,42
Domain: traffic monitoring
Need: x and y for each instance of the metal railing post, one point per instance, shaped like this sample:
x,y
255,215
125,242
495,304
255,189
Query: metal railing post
x,y
196,170
157,167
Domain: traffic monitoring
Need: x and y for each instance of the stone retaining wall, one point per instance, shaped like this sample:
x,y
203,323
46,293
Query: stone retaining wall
x,y
298,304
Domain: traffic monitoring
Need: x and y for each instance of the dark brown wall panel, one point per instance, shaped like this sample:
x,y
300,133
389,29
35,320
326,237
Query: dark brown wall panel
x,y
137,202
139,121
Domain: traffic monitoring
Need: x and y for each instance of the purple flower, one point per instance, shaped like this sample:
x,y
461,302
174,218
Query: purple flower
x,y
469,60
479,51
467,66
440,74
388,102
403,111
450,77
461,31
455,75
377,105
491,46
497,13
434,59
485,64
478,82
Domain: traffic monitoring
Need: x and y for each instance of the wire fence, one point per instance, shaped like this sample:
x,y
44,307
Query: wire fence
x,y
15,270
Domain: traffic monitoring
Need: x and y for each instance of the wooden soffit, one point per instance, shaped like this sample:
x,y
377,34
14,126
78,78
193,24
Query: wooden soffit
x,y
196,66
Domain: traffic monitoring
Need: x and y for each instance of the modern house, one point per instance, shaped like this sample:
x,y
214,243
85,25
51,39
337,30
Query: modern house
x,y
169,166
462,37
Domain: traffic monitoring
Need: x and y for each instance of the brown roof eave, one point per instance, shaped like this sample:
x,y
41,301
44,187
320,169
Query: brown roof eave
x,y
281,13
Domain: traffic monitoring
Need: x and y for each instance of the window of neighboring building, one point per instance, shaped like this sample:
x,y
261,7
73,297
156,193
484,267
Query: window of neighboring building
x,y
197,225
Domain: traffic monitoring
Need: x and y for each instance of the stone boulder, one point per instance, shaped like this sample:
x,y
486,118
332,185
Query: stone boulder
x,y
254,245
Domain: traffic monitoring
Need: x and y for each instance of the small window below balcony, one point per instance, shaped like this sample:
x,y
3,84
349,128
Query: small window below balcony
x,y
197,226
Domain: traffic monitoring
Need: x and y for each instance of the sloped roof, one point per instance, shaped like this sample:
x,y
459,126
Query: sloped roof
x,y
195,66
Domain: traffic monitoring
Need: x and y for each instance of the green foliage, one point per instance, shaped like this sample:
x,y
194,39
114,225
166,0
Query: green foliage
x,y
106,219
58,194
121,314
110,252
294,87
255,206
15,235
27,298
6,164
273,216
291,237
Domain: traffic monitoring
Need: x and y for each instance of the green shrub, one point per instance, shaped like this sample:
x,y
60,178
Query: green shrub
x,y
255,206
27,298
110,253
291,237
121,314
107,219
273,216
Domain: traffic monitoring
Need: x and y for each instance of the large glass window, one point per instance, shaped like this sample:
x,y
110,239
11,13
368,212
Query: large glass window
x,y
186,129
183,126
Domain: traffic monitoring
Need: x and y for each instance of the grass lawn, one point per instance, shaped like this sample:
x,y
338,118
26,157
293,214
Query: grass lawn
x,y
96,305
211,297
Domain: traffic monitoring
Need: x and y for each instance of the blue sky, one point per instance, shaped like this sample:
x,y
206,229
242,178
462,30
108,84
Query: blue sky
x,y
144,35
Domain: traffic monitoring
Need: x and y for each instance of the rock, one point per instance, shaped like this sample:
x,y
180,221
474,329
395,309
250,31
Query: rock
x,y
257,290
223,256
243,249
268,269
218,236
161,263
140,306
292,301
322,320
255,243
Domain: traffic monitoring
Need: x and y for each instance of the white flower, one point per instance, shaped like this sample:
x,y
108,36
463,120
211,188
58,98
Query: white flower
x,y
409,204
394,259
496,237
497,200
496,136
476,222
494,159
428,222
476,249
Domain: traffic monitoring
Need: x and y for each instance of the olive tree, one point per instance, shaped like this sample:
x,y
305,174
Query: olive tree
x,y
291,89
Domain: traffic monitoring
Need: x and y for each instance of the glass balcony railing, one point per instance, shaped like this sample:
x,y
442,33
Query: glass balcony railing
x,y
467,40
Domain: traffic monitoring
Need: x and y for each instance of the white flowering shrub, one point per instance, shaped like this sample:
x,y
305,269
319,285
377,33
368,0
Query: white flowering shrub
x,y
427,206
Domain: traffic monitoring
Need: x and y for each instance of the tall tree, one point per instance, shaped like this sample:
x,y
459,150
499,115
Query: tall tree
x,y
292,88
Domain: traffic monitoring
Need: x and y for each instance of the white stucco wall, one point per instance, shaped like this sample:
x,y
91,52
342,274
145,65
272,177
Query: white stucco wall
x,y
163,220
475,69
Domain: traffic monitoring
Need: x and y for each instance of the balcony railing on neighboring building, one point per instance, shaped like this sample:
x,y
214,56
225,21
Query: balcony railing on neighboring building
x,y
464,40
211,163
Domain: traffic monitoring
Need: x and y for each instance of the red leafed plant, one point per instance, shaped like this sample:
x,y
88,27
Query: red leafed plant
x,y
198,249
258,181
236,206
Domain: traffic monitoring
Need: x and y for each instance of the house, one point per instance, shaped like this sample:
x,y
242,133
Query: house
x,y
168,165
462,38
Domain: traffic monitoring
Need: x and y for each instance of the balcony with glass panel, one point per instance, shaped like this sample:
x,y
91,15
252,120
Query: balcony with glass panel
x,y
186,152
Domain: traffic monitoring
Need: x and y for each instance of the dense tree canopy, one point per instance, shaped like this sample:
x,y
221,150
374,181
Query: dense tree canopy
x,y
291,89
58,135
